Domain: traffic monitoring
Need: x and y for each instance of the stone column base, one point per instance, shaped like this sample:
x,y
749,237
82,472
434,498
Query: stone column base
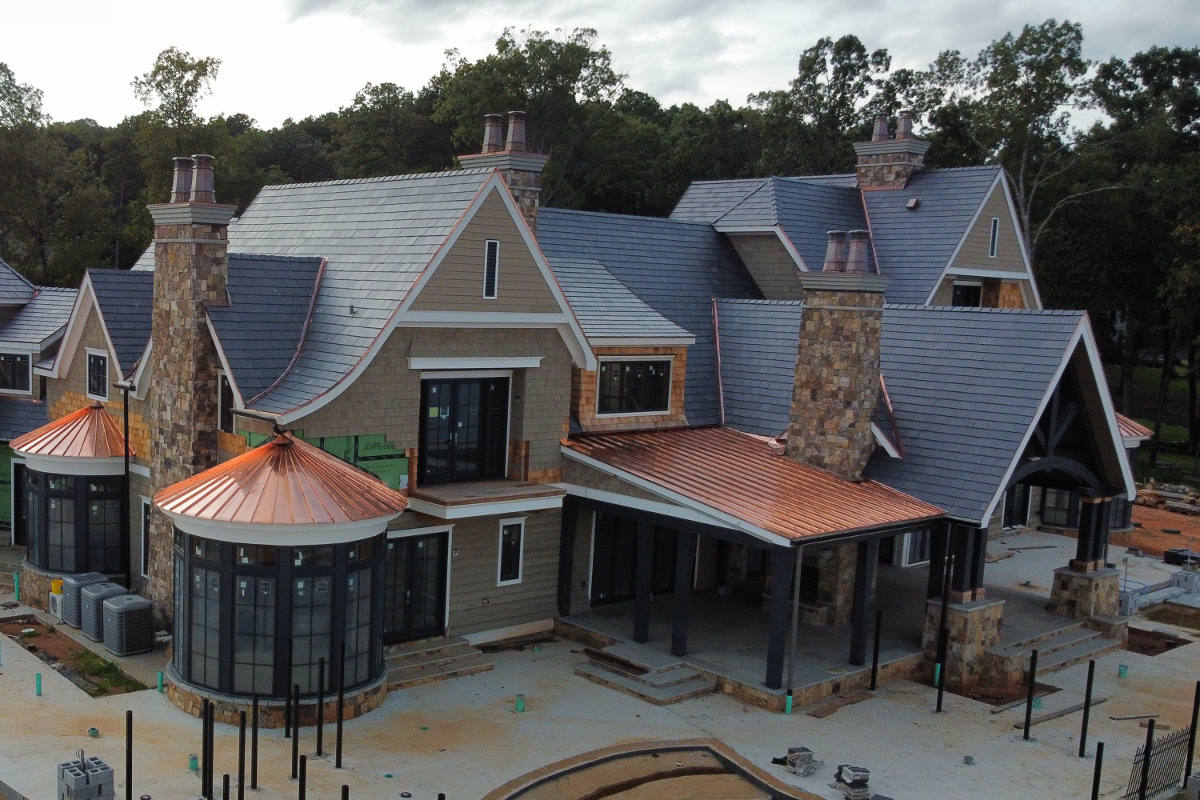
x,y
35,584
1082,595
972,628
190,699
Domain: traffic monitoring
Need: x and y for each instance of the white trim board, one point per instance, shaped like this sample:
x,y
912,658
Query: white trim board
x,y
482,362
490,509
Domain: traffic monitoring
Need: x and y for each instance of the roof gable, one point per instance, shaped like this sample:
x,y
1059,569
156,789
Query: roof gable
x,y
608,311
15,289
758,341
125,301
39,320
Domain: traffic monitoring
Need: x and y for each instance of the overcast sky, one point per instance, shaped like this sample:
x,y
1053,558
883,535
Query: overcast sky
x,y
294,58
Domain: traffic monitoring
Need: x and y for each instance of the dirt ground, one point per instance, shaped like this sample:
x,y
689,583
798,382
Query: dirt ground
x,y
1150,536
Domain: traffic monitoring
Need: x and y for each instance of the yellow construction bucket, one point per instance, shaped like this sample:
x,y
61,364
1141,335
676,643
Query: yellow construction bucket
x,y
56,586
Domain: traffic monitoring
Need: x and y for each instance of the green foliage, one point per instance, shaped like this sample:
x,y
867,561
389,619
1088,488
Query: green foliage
x,y
107,676
174,85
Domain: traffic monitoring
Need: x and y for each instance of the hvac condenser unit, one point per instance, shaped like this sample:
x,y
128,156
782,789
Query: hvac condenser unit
x,y
56,605
91,612
72,586
128,626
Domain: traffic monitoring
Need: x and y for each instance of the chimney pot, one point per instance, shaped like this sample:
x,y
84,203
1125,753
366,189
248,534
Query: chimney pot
x,y
835,252
880,134
904,130
203,189
181,181
516,132
492,136
856,251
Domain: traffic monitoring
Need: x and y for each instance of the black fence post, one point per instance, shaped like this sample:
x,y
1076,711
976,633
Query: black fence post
x,y
943,633
321,707
341,705
345,792
254,744
1087,708
1096,771
242,755
287,714
207,780
295,729
303,777
1032,684
875,651
225,786
129,754
1145,782
204,747
1187,770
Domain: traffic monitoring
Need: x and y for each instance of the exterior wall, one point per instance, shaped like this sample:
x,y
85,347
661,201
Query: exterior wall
x,y
771,265
581,561
386,397
974,249
584,385
995,293
476,602
457,285
583,475
139,487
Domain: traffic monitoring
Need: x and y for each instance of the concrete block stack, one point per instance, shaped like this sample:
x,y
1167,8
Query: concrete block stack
x,y
851,781
85,778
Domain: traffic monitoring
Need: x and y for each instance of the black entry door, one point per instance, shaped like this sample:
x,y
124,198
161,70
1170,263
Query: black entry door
x,y
464,429
614,560
415,586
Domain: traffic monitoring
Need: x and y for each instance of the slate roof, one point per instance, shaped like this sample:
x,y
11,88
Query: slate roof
x,y
606,308
965,386
40,318
262,328
14,288
758,362
19,415
126,300
673,266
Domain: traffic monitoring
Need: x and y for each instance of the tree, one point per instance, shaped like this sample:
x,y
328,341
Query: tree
x,y
175,85
387,131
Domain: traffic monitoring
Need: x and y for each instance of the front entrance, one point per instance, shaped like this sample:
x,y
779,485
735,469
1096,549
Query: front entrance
x,y
414,574
614,560
464,429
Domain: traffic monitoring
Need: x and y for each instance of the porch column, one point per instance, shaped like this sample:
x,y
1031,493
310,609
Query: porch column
x,y
783,562
866,560
685,557
642,581
1093,532
938,547
566,554
969,546
1087,588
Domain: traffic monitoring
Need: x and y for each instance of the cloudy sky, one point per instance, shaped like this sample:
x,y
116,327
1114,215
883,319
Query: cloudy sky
x,y
293,58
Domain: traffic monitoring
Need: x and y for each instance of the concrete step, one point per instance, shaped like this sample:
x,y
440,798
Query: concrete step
x,y
1049,643
641,657
421,647
433,673
433,656
432,660
1082,651
657,695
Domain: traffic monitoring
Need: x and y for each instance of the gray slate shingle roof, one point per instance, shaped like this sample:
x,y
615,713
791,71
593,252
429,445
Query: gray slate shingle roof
x,y
758,362
262,327
606,308
19,416
675,267
965,386
126,299
14,288
39,319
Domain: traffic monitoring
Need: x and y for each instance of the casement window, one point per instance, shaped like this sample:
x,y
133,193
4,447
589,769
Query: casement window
x,y
920,544
97,374
634,387
1060,508
1016,506
14,372
512,551
967,294
993,237
145,537
225,405
491,268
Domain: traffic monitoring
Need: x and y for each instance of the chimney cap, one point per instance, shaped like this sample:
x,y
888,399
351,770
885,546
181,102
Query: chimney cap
x,y
880,132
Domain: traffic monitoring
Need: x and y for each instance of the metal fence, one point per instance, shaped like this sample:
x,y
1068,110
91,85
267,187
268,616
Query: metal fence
x,y
1167,756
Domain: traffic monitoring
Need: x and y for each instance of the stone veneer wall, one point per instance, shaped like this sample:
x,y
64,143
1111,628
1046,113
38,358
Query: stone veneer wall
x,y
525,187
191,271
837,381
835,586
271,712
972,628
35,584
887,170
1082,595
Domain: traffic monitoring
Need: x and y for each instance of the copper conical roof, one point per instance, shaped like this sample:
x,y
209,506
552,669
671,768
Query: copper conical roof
x,y
285,481
90,432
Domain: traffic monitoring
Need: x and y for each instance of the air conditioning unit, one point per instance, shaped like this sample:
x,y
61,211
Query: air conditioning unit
x,y
128,625
72,587
91,612
56,606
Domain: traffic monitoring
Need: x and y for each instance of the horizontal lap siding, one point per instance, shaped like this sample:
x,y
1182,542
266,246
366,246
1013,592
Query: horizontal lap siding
x,y
974,250
473,574
771,266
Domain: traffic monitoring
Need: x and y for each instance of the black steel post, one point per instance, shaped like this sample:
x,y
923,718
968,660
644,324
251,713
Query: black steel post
x,y
943,633
1145,782
296,731
341,706
1096,771
225,786
303,777
254,744
345,792
203,746
875,650
287,714
320,706
1030,685
1187,771
241,755
129,754
212,749
1087,708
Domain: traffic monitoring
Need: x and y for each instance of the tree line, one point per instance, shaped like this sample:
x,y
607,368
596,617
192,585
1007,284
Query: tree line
x,y
1109,213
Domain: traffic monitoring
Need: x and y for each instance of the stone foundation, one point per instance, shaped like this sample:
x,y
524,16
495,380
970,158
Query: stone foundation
x,y
1082,595
35,585
271,712
972,628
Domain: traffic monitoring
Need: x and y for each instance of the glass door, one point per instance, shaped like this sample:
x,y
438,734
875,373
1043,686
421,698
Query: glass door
x,y
415,587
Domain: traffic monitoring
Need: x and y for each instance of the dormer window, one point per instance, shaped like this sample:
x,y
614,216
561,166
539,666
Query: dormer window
x,y
491,268
634,386
97,375
14,372
993,237
967,294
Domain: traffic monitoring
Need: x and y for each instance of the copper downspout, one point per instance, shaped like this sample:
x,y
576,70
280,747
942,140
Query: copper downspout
x,y
717,346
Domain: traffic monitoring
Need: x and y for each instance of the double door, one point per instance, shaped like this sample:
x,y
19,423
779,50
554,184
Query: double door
x,y
615,562
415,587
464,429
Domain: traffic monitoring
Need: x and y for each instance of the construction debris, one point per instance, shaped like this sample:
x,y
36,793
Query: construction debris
x,y
800,761
851,781
1133,716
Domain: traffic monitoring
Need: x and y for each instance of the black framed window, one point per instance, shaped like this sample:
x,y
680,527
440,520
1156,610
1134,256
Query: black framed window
x,y
491,268
97,375
358,639
312,626
145,537
179,652
1120,513
993,237
60,523
74,523
919,544
969,295
204,644
634,387
14,372
512,535
104,521
225,405
1060,508
1016,506
254,634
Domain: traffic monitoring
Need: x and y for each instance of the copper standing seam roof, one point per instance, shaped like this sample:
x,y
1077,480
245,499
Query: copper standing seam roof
x,y
90,432
1131,429
737,474
285,481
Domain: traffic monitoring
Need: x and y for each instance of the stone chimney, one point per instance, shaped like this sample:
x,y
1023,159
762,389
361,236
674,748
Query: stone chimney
x,y
191,272
885,163
522,170
837,365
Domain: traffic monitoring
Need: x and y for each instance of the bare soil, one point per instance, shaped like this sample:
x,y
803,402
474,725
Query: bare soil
x,y
95,675
1152,536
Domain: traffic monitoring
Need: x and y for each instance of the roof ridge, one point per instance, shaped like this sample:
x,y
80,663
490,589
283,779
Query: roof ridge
x,y
382,178
272,257
670,220
760,301
767,183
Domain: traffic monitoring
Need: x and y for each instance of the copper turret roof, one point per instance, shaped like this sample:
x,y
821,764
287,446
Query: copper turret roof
x,y
90,432
285,481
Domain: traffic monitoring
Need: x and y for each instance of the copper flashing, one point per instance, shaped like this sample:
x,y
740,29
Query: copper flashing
x,y
90,432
